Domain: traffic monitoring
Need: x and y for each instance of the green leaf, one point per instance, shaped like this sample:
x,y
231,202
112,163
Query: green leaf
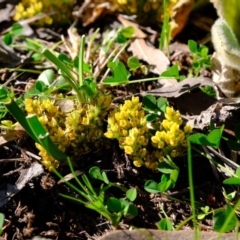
x,y
120,74
223,220
204,52
64,58
212,139
162,104
127,32
2,217
192,45
120,39
130,211
133,63
105,178
150,103
17,29
232,181
114,204
151,117
151,186
8,39
165,224
164,168
238,172
4,95
37,57
95,173
47,77
174,177
201,216
230,14
131,194
171,72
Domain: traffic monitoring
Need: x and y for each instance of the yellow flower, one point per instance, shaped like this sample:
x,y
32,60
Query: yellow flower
x,y
129,141
138,162
109,134
128,150
187,128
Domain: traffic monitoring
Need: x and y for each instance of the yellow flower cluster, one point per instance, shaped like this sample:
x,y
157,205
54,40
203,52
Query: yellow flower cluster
x,y
151,10
171,138
72,132
60,11
128,125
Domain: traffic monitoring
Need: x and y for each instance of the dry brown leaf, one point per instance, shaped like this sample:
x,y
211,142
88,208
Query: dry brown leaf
x,y
151,55
176,89
179,15
11,135
226,78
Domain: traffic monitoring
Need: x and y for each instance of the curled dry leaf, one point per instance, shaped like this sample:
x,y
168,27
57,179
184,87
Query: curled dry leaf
x,y
226,78
151,55
179,16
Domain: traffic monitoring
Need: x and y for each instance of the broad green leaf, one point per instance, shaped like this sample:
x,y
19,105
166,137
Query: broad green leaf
x,y
2,217
223,220
172,72
149,103
212,139
114,204
174,176
229,10
133,63
47,77
226,43
131,194
238,172
17,29
201,216
192,45
151,117
120,74
8,39
130,211
4,95
95,173
164,168
164,185
165,224
232,181
120,39
151,186
162,104
127,32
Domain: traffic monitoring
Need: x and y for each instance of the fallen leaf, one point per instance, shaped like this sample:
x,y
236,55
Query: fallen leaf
x,y
225,77
179,15
179,88
26,176
151,55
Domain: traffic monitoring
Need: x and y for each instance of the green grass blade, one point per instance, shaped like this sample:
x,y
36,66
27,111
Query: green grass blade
x,y
44,139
